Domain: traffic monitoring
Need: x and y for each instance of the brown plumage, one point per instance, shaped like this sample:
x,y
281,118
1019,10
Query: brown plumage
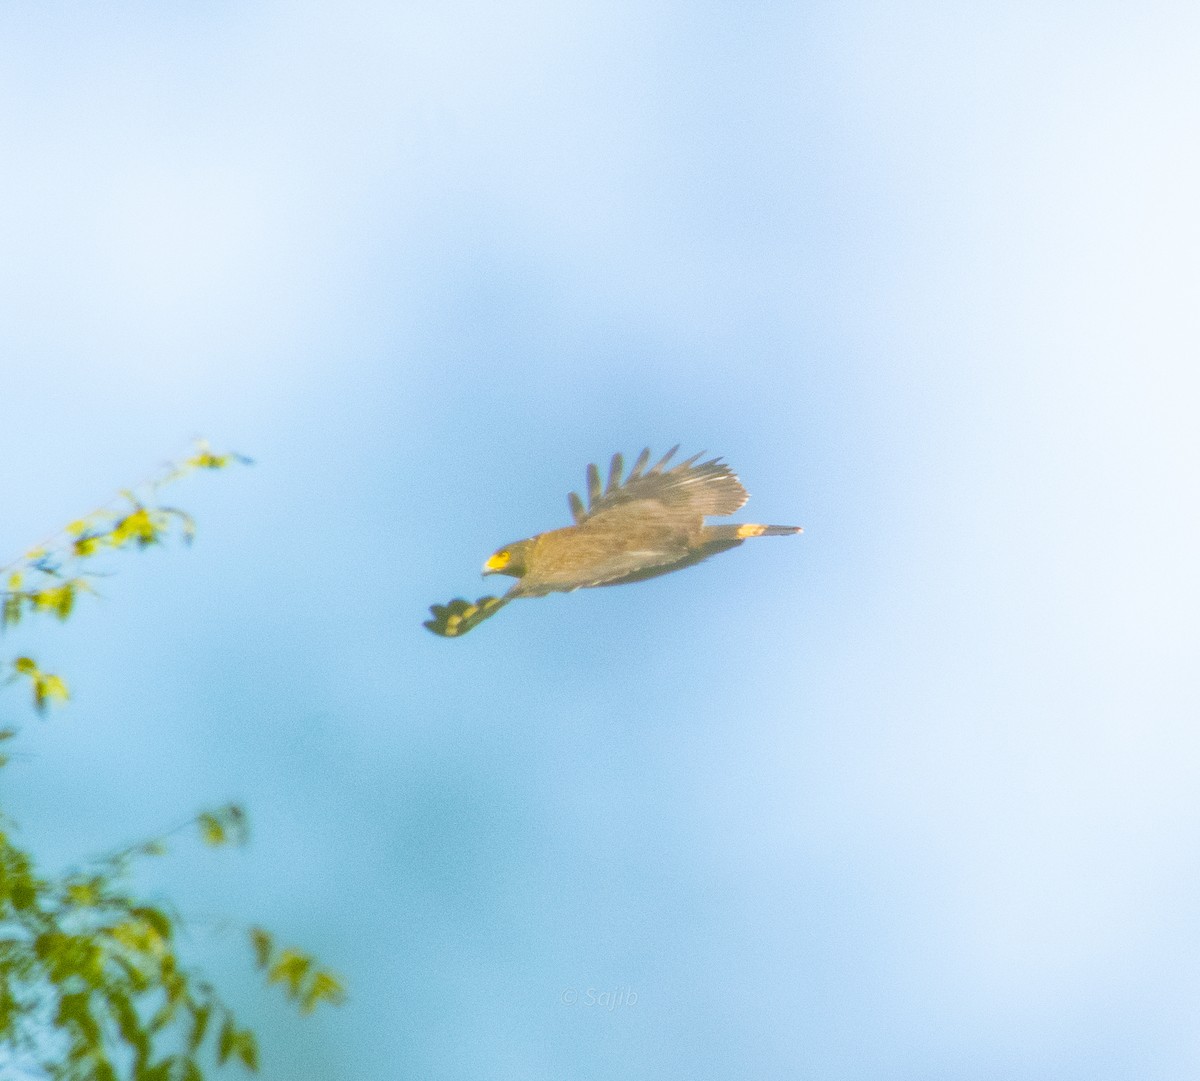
x,y
648,524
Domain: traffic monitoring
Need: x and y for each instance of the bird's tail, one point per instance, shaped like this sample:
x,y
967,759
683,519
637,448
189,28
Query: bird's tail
x,y
748,529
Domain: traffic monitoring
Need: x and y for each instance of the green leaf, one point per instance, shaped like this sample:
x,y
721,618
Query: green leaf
x,y
261,941
75,1015
208,461
200,1019
324,987
23,894
139,527
290,968
48,688
139,937
226,1041
85,546
128,1022
223,825
156,919
58,600
84,893
246,1048
212,829
159,1071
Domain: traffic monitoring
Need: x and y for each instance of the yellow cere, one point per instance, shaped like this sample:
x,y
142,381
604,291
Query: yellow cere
x,y
498,561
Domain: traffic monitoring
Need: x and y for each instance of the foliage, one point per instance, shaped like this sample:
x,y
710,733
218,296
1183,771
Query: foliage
x,y
92,987
50,577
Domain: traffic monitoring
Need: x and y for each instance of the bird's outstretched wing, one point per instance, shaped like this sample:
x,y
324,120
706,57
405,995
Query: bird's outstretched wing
x,y
686,489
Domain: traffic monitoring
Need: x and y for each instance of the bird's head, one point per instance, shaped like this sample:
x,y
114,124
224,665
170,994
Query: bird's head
x,y
509,560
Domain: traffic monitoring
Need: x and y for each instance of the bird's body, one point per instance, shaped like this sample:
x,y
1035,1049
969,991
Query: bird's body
x,y
602,552
633,543
648,524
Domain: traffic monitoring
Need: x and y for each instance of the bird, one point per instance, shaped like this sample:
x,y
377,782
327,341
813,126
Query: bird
x,y
634,526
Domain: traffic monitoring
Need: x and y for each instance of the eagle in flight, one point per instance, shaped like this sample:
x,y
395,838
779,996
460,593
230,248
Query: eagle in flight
x,y
647,524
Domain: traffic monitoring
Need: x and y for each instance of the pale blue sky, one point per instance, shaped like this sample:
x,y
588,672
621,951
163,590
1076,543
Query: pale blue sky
x,y
914,795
